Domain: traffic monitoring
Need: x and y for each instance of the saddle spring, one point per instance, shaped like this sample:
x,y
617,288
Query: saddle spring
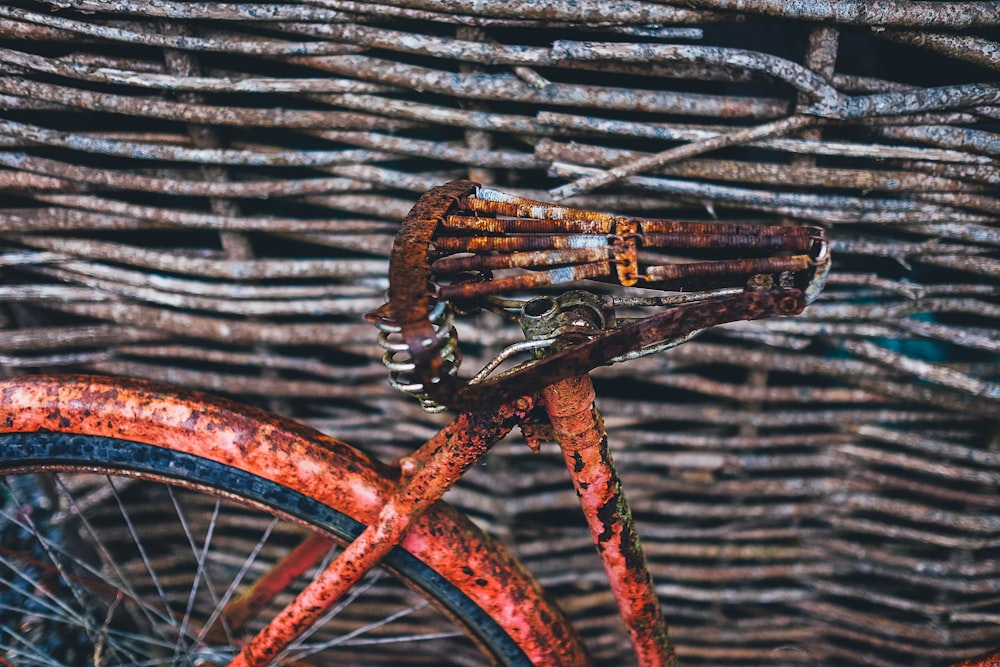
x,y
398,360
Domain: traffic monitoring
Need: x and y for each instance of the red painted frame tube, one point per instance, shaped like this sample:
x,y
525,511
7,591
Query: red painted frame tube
x,y
579,429
295,456
991,659
428,474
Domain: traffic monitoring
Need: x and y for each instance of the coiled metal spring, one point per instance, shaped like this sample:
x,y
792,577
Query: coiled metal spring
x,y
400,363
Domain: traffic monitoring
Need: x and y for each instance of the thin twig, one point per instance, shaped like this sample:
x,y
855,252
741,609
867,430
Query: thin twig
x,y
678,153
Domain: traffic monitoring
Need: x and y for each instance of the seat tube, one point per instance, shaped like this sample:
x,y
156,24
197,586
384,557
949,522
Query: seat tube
x,y
579,429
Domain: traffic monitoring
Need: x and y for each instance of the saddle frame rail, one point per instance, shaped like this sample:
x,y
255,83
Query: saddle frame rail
x,y
463,217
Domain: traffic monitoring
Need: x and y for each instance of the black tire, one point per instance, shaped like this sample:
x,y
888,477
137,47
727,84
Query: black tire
x,y
86,518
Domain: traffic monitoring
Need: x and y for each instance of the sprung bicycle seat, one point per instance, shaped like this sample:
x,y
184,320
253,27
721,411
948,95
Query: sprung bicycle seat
x,y
465,247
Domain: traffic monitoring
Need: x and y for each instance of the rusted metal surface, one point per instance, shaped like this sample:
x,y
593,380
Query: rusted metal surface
x,y
987,660
567,391
426,476
418,283
748,417
578,428
298,457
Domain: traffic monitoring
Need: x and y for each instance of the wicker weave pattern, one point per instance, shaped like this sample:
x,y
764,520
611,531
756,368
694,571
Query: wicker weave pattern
x,y
205,193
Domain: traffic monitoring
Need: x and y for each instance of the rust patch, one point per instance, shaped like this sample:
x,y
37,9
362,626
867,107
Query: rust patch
x,y
579,430
461,228
991,659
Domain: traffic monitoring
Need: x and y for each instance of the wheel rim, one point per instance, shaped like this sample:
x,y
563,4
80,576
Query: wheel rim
x,y
79,547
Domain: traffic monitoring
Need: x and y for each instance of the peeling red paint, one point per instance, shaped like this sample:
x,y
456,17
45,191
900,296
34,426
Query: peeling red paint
x,y
289,453
986,660
579,430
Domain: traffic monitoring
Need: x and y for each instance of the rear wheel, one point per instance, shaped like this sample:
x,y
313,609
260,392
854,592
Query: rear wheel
x,y
121,552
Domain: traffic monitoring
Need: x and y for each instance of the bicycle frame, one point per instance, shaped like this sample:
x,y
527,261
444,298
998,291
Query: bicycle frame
x,y
416,315
429,472
291,455
563,410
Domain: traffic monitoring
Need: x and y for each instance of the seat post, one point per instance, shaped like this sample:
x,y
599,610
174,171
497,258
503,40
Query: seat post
x,y
579,430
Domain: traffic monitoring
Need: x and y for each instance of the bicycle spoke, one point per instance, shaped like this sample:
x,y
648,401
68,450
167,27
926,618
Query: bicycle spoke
x,y
63,615
142,552
57,607
146,570
352,595
23,648
276,579
154,617
218,615
50,553
424,637
201,556
90,584
344,639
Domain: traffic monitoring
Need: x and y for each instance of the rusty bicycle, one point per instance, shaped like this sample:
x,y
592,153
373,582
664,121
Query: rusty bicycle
x,y
120,494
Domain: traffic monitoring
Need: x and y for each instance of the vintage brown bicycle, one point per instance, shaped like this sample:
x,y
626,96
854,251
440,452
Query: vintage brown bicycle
x,y
146,525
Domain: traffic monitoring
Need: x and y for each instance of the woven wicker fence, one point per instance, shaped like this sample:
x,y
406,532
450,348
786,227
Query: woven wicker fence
x,y
206,193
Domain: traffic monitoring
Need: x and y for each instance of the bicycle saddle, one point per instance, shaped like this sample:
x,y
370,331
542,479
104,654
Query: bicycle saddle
x,y
465,247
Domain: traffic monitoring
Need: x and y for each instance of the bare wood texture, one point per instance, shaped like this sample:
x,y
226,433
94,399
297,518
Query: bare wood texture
x,y
206,193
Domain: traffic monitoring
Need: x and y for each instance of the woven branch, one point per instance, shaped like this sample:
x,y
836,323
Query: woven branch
x,y
206,193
